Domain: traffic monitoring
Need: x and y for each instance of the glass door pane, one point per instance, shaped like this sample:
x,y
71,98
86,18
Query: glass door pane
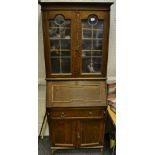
x,y
59,30
92,44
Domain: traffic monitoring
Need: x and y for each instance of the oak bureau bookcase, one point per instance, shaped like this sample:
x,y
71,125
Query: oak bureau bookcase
x,y
76,51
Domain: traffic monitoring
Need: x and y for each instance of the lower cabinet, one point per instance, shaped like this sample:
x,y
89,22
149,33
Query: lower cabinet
x,y
76,127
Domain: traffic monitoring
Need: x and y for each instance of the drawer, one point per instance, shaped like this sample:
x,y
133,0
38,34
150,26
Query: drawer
x,y
77,113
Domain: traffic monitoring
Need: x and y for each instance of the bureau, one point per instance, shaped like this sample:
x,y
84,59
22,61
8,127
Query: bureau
x,y
76,52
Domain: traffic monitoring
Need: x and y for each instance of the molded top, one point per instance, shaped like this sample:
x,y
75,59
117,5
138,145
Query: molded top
x,y
77,1
76,4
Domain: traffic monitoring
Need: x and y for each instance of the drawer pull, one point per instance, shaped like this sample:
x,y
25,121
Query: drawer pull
x,y
62,115
90,113
78,135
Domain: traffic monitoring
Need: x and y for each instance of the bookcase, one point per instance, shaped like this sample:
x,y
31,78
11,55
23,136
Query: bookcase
x,y
76,51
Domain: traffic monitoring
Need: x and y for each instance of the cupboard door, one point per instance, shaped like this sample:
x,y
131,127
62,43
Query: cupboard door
x,y
62,133
90,132
93,41
59,42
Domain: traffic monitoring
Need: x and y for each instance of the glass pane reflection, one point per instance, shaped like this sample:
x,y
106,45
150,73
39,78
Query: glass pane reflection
x,y
60,44
92,45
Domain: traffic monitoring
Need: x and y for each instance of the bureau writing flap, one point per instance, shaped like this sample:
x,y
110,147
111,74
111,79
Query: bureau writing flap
x,y
73,94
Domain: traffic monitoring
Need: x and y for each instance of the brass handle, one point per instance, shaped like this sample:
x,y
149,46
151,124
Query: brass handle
x,y
62,115
90,113
78,135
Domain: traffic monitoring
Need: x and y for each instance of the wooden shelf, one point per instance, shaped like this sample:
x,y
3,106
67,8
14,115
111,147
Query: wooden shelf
x,y
91,56
58,57
92,38
59,38
59,27
92,50
92,29
66,50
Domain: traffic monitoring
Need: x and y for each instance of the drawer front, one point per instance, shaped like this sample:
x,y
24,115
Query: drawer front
x,y
77,113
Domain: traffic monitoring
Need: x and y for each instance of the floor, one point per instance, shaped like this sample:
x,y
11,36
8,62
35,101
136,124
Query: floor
x,y
44,149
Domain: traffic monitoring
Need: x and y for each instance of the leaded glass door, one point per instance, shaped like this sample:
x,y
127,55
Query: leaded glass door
x,y
93,43
76,43
60,43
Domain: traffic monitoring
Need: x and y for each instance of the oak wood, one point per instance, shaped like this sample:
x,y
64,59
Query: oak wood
x,y
75,15
76,102
91,132
51,15
101,16
77,79
77,113
77,128
76,93
75,6
62,132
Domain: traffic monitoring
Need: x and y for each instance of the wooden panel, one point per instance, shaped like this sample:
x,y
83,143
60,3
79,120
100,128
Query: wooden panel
x,y
76,94
90,133
70,113
62,132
